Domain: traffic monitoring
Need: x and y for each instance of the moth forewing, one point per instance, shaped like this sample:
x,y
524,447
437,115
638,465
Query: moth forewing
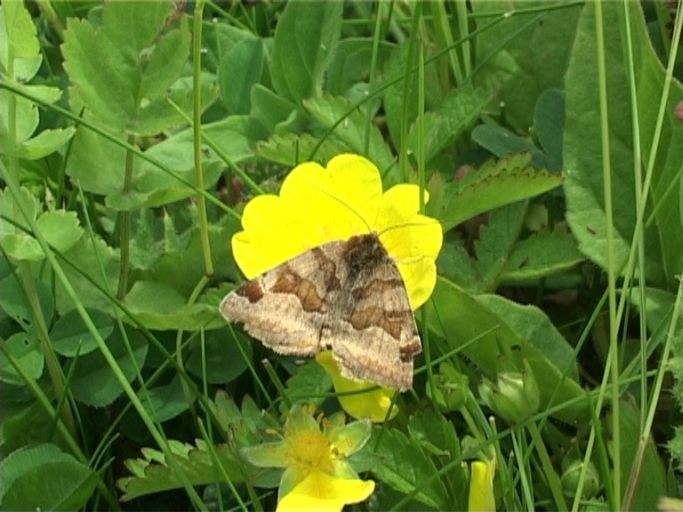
x,y
348,295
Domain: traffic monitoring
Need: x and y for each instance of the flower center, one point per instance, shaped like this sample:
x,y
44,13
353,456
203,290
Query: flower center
x,y
309,451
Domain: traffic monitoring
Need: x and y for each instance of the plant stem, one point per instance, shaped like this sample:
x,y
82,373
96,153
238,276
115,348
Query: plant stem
x,y
124,226
197,132
551,475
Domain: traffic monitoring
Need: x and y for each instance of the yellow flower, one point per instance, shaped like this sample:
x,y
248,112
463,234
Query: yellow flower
x,y
321,492
373,405
318,205
316,473
481,496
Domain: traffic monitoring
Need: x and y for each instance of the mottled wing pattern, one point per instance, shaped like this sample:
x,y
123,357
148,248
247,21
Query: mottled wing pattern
x,y
287,306
375,337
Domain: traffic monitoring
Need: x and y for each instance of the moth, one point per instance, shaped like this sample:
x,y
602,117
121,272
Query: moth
x,y
346,295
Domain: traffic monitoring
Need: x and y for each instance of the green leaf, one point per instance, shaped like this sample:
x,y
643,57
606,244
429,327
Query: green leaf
x,y
70,336
163,403
460,317
18,34
495,184
156,473
45,143
404,466
522,59
541,255
582,145
240,68
270,109
26,350
44,478
652,482
502,142
289,149
549,125
120,68
533,325
305,39
308,383
351,131
93,381
224,361
442,127
100,264
14,303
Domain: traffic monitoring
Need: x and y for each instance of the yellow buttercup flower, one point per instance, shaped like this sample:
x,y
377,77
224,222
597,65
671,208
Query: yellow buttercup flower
x,y
317,475
318,205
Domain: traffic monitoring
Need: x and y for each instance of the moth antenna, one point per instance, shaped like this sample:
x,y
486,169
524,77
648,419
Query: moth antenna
x,y
342,202
405,225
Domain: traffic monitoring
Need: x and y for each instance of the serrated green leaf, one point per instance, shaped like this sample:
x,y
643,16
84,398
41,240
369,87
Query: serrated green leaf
x,y
44,478
26,350
155,474
93,381
443,126
541,255
494,184
305,39
459,317
351,131
70,336
308,383
119,68
404,466
289,149
19,37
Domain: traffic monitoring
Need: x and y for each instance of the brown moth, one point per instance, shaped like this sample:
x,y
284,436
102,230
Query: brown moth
x,y
345,295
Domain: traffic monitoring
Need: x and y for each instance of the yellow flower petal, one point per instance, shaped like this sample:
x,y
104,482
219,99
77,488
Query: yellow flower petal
x,y
481,496
318,205
322,492
373,405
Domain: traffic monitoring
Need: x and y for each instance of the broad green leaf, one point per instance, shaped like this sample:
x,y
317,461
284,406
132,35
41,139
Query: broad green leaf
x,y
240,68
291,149
71,337
549,125
25,122
524,55
123,66
270,109
532,324
652,483
163,403
305,39
541,255
460,317
45,143
223,358
14,303
494,184
582,145
403,465
155,473
44,478
351,131
93,381
19,37
502,142
26,350
445,125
